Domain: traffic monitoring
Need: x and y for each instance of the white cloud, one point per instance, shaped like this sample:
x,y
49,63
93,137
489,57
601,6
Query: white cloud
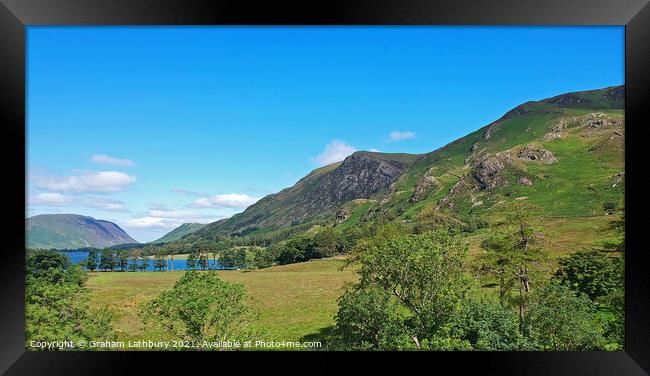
x,y
106,159
175,214
103,203
398,136
230,200
48,198
58,199
187,192
153,223
88,181
335,151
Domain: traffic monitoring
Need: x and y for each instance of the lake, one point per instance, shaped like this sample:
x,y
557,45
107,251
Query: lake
x,y
80,256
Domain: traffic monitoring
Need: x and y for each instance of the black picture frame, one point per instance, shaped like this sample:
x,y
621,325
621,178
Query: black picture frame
x,y
15,15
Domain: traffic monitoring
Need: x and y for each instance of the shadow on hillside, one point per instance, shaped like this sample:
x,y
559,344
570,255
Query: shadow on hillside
x,y
324,335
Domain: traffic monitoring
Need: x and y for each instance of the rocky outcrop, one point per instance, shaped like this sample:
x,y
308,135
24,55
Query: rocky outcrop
x,y
427,184
525,181
342,215
489,131
534,154
486,172
359,176
570,99
615,94
597,120
319,194
550,136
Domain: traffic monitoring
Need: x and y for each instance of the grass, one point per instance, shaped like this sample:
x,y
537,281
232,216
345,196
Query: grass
x,y
294,301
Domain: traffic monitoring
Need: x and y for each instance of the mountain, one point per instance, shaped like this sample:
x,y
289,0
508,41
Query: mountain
x,y
562,156
319,194
179,232
72,231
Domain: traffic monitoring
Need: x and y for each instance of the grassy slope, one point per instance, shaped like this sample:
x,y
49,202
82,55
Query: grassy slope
x,y
179,232
73,231
295,301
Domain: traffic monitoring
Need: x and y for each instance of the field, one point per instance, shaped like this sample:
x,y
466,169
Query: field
x,y
296,302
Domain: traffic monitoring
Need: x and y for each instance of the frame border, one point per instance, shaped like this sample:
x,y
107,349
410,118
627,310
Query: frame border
x,y
15,15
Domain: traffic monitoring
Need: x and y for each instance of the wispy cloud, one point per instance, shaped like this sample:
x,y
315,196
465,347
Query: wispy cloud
x,y
167,219
94,202
187,192
230,200
87,181
176,214
106,159
335,151
398,136
152,223
103,203
50,199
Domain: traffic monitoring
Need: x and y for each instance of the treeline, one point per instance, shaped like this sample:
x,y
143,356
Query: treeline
x,y
162,258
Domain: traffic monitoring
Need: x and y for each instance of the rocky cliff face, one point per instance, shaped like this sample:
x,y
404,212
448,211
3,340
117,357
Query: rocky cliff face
x,y
361,175
321,193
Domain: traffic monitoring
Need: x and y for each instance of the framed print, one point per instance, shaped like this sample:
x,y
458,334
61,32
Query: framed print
x,y
448,181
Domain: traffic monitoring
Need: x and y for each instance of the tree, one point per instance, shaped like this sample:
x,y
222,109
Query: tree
x,y
325,244
107,260
56,302
192,261
510,257
263,257
123,259
172,249
144,263
200,307
91,260
560,320
488,326
370,319
134,257
294,250
203,261
594,273
423,273
159,261
614,326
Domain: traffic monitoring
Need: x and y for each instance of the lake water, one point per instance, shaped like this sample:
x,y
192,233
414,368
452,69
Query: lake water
x,y
79,256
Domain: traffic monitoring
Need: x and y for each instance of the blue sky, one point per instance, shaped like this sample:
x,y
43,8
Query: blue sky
x,y
151,127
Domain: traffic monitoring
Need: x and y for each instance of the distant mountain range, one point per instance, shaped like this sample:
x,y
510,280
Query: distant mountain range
x,y
72,231
563,156
179,232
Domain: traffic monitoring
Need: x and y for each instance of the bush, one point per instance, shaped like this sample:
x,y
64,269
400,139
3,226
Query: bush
x,y
369,319
200,307
488,326
56,302
560,320
594,273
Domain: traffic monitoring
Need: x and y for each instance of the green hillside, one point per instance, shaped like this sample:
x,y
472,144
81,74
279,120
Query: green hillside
x,y
179,232
562,157
72,231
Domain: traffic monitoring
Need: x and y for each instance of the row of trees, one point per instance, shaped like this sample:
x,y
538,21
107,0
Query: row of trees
x,y
133,260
